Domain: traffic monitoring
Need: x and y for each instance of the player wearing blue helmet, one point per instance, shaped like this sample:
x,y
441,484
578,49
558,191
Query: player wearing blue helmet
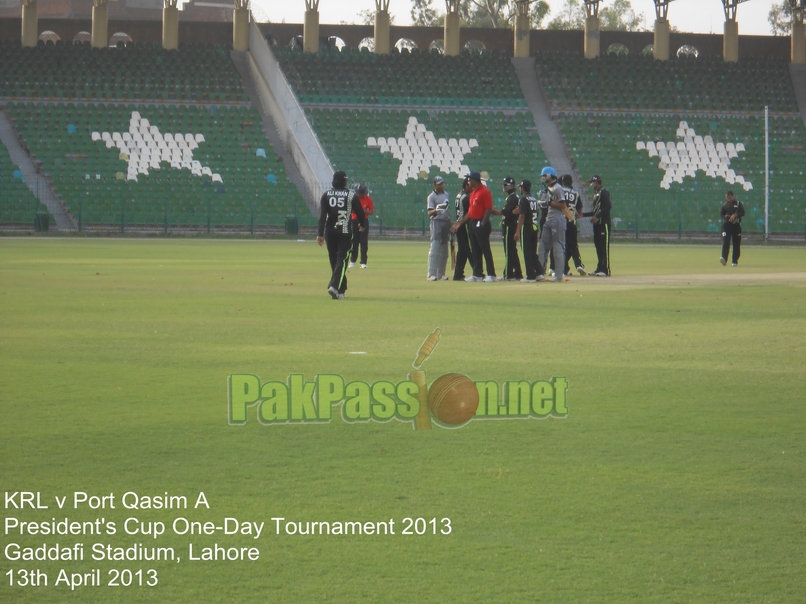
x,y
552,237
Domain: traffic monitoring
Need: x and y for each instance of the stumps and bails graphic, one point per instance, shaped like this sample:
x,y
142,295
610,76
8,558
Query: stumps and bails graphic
x,y
453,398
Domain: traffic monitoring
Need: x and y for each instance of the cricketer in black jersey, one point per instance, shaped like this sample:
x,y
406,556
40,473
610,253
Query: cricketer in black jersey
x,y
600,217
527,230
336,206
509,225
574,203
731,213
464,255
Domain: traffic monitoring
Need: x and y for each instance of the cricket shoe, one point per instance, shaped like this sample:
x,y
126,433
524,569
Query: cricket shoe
x,y
581,271
341,297
473,279
443,278
352,265
432,278
526,280
363,266
540,278
735,264
600,274
490,279
334,293
722,261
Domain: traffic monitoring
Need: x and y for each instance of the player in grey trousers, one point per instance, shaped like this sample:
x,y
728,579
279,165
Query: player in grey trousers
x,y
438,209
552,237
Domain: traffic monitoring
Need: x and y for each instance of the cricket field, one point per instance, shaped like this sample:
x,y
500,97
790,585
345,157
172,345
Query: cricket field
x,y
644,437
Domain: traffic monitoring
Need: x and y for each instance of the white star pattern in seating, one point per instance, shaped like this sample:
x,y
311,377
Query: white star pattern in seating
x,y
420,149
692,153
144,147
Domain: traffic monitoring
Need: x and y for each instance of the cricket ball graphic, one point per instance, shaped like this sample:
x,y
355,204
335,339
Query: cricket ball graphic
x,y
453,398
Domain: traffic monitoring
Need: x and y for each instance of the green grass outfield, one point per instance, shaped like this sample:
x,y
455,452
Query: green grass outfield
x,y
677,476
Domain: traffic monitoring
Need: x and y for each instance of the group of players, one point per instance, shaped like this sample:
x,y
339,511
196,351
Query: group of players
x,y
545,227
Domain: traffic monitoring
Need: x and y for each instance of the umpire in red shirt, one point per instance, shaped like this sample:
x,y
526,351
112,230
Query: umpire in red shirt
x,y
478,219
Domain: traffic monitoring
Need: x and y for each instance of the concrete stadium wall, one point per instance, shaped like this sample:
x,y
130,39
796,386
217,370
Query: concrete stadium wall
x,y
493,39
292,125
540,40
139,31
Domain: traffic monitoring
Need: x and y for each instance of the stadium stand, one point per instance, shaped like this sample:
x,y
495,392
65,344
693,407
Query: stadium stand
x,y
130,72
395,121
679,84
92,154
398,152
415,78
412,115
136,135
670,138
18,206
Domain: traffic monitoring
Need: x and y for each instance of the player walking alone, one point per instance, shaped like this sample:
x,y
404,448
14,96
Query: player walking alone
x,y
334,229
731,213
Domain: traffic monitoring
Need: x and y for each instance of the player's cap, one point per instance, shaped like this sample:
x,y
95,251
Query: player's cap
x,y
526,184
474,176
362,189
438,180
549,171
340,179
509,181
596,178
